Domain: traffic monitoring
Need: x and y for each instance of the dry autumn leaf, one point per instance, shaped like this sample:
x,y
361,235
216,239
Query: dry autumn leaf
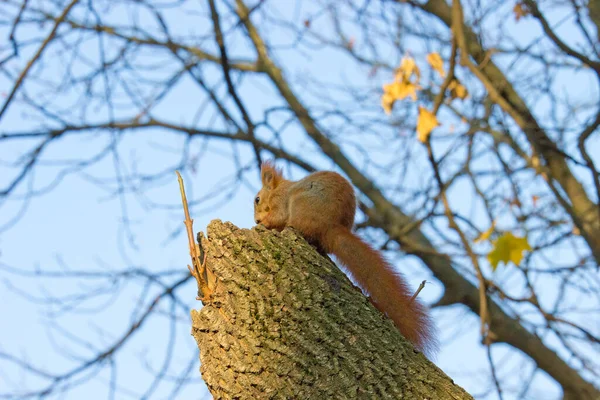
x,y
401,90
514,202
387,101
507,248
457,90
436,62
406,84
520,10
407,68
485,235
426,122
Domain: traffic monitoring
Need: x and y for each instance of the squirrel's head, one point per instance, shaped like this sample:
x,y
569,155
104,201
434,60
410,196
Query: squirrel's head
x,y
271,177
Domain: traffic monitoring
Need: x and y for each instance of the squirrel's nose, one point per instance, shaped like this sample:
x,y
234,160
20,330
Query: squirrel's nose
x,y
258,221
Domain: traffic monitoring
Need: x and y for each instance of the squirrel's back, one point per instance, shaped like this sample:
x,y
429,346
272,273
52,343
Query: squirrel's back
x,y
320,201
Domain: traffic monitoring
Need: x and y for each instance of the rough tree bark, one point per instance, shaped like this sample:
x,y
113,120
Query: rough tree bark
x,y
285,322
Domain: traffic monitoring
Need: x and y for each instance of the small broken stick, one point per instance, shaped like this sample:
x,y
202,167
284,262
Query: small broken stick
x,y
421,286
199,271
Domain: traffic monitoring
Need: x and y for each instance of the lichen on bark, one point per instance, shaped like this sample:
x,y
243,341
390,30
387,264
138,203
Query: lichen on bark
x,y
285,322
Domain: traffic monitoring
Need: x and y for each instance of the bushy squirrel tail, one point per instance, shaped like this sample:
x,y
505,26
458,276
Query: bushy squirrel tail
x,y
388,290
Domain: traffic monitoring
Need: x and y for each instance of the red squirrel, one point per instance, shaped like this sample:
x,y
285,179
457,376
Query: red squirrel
x,y
322,207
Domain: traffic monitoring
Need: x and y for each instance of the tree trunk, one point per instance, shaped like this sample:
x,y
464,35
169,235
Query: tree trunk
x,y
284,322
594,13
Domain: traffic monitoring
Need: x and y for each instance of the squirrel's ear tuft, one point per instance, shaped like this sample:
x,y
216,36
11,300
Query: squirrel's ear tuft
x,y
270,175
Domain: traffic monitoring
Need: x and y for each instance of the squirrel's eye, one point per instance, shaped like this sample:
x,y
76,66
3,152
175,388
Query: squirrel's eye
x,y
257,199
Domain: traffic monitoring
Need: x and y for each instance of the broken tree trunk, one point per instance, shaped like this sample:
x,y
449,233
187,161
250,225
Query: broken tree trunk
x,y
284,322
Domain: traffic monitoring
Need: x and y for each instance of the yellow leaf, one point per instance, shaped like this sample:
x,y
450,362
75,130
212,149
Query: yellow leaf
x,y
401,90
387,101
436,63
402,86
425,124
397,91
407,68
508,247
485,235
457,90
520,10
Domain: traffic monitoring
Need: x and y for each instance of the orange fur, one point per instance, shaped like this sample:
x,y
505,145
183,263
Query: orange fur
x,y
322,207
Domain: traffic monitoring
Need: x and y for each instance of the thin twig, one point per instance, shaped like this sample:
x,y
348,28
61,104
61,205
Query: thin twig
x,y
494,374
421,286
199,270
